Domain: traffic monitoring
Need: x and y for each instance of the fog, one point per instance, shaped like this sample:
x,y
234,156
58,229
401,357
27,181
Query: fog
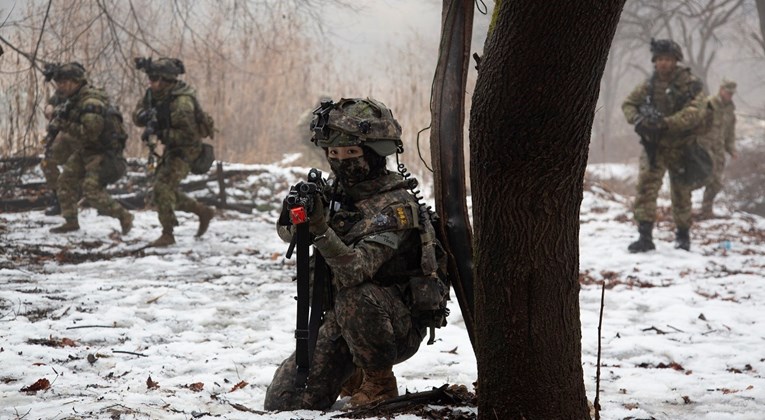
x,y
259,66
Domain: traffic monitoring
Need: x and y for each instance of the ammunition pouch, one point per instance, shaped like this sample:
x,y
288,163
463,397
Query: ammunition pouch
x,y
427,297
204,161
696,166
113,167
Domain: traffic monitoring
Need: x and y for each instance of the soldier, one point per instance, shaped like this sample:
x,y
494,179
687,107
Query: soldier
x,y
56,153
169,108
94,136
721,138
369,231
678,97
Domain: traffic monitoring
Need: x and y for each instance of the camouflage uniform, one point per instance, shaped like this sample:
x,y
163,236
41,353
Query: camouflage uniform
x,y
683,103
719,139
59,151
84,123
372,239
179,133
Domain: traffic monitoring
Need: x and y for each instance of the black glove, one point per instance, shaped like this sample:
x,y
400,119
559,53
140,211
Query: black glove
x,y
284,215
317,222
143,116
57,124
647,127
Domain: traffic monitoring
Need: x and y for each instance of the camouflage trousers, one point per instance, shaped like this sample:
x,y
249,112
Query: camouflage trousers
x,y
650,179
81,178
167,194
369,327
715,184
60,150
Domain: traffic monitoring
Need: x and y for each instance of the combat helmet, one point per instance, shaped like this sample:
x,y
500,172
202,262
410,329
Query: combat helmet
x,y
69,71
166,68
665,47
355,122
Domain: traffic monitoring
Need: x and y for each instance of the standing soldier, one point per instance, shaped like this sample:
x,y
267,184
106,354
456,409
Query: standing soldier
x,y
376,241
665,109
169,109
721,138
96,133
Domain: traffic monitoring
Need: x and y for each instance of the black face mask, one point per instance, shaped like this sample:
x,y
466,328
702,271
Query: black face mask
x,y
350,171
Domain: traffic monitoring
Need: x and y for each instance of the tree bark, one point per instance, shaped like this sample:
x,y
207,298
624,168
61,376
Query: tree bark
x,y
530,126
761,15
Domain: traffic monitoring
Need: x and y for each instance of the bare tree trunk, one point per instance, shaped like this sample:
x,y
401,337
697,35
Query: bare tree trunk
x,y
530,125
761,14
446,145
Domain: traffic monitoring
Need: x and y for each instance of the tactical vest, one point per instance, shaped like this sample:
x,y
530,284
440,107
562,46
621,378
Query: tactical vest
x,y
671,97
205,123
113,135
419,266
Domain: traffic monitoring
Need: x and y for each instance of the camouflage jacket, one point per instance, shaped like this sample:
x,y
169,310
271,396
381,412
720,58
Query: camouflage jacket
x,y
681,100
84,120
374,235
722,133
178,129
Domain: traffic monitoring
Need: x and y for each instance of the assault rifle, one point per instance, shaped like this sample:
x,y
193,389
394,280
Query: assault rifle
x,y
648,115
59,113
151,129
301,200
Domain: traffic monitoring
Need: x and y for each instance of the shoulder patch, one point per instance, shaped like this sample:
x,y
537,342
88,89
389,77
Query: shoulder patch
x,y
388,239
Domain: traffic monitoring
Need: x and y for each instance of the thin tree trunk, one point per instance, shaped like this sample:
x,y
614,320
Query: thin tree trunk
x,y
530,125
761,14
446,145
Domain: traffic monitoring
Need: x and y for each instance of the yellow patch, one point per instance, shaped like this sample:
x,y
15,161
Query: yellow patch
x,y
401,214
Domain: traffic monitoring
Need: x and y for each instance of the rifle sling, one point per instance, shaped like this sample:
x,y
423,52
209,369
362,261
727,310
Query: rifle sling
x,y
301,332
317,303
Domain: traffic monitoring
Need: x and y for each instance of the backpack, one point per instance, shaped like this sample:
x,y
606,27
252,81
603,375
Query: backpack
x,y
206,126
113,139
205,122
204,161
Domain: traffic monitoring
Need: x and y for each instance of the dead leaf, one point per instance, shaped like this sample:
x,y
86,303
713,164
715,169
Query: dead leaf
x,y
240,385
687,399
196,386
68,342
40,385
151,384
275,256
630,406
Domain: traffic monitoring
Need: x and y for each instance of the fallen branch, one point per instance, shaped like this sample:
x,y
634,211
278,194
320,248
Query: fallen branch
x,y
129,352
90,326
454,395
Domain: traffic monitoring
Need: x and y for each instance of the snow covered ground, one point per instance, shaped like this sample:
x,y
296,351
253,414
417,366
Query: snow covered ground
x,y
197,329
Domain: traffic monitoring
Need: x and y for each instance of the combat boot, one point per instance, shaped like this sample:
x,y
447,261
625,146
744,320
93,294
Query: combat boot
x,y
683,239
126,222
378,385
55,207
166,239
205,215
70,225
645,241
352,385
